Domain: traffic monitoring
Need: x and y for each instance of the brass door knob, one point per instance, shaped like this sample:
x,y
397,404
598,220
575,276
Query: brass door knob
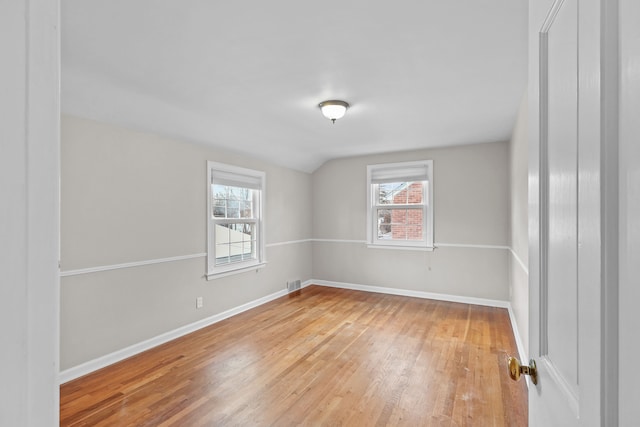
x,y
516,369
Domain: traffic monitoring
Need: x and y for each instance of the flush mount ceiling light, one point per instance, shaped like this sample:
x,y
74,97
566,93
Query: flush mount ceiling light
x,y
334,109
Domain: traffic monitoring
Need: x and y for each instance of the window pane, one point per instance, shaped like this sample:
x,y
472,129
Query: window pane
x,y
240,193
400,193
385,193
241,232
235,251
246,209
233,210
414,192
249,251
398,216
392,192
414,216
400,224
414,232
222,255
235,242
219,197
398,232
222,244
219,191
232,202
222,233
246,231
235,233
219,208
384,223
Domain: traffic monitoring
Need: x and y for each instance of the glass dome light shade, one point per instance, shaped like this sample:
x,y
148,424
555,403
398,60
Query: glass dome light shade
x,y
333,110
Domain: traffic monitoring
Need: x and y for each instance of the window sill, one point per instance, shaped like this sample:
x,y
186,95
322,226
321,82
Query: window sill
x,y
403,248
218,275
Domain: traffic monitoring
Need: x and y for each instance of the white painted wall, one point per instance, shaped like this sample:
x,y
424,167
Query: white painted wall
x,y
518,223
471,193
29,137
130,196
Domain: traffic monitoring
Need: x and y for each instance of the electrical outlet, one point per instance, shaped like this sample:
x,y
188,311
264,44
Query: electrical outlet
x,y
199,302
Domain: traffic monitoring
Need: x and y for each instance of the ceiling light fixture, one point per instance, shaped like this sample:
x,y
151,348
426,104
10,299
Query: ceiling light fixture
x,y
334,109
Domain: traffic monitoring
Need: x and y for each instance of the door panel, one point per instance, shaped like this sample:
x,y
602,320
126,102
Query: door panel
x,y
559,340
565,252
558,303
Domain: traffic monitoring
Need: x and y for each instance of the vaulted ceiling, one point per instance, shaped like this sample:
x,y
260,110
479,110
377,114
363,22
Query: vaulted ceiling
x,y
248,75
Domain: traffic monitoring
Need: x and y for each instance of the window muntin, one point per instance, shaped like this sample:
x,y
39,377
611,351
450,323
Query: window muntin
x,y
399,204
232,202
235,219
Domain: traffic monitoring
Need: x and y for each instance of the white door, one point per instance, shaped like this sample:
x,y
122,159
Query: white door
x,y
565,255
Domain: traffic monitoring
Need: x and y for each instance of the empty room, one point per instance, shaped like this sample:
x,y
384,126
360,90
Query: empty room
x,y
320,214
200,179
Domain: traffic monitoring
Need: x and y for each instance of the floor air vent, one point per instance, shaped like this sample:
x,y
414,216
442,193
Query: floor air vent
x,y
293,286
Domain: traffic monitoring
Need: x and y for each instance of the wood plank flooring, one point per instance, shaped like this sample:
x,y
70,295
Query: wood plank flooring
x,y
321,356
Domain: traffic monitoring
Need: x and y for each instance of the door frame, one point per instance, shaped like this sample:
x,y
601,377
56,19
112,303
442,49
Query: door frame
x,y
29,187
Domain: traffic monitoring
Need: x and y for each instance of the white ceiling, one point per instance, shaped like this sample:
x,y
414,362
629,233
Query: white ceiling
x,y
248,75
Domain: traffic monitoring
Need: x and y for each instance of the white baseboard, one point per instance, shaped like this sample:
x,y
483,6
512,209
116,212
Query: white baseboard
x,y
519,344
117,356
521,354
410,293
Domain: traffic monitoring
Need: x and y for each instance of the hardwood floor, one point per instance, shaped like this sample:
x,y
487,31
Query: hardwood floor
x,y
322,356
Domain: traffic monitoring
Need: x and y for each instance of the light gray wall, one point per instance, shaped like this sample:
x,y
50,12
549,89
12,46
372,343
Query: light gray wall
x,y
518,222
471,193
129,196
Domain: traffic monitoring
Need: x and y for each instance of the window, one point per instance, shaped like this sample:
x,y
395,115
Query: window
x,y
400,205
235,225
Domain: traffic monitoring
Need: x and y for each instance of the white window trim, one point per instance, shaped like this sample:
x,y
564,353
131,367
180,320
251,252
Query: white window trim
x,y
427,242
214,272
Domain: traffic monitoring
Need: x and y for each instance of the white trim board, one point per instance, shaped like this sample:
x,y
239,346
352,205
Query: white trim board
x,y
289,242
519,344
464,245
362,242
435,245
410,293
98,269
158,261
119,355
128,265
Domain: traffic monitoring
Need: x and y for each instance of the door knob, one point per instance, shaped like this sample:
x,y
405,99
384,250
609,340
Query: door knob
x,y
516,369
